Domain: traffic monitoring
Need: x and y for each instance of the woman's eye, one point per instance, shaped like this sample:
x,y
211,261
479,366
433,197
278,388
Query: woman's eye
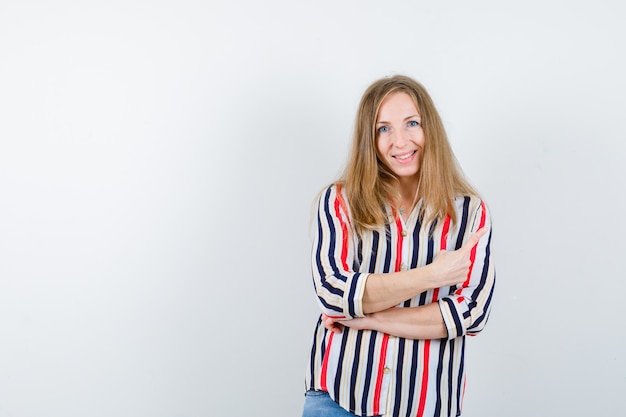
x,y
383,129
413,123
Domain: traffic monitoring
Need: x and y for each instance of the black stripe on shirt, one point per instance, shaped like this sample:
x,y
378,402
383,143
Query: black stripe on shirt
x,y
459,386
374,254
399,372
414,364
463,225
342,353
312,364
416,242
355,370
368,371
450,374
457,322
442,352
388,247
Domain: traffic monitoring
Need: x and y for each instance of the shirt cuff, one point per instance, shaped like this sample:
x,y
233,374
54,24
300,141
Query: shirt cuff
x,y
452,313
353,300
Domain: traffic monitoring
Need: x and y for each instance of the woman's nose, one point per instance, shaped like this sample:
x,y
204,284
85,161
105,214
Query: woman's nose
x,y
400,138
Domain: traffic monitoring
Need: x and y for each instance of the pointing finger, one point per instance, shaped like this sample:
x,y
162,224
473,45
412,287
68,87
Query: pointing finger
x,y
474,238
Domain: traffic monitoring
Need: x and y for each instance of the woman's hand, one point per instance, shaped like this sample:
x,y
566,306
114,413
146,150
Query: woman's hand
x,y
336,325
331,324
452,268
423,322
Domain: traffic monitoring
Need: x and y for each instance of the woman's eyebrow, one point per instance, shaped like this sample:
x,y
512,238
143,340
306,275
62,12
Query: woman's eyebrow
x,y
406,118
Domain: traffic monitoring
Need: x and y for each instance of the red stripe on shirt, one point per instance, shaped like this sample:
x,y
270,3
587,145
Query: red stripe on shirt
x,y
399,243
381,369
385,341
325,363
483,218
422,404
444,233
340,204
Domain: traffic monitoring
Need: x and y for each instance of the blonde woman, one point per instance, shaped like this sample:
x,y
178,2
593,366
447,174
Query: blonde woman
x,y
401,266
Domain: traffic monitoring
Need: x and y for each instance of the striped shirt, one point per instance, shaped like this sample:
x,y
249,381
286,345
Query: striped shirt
x,y
370,373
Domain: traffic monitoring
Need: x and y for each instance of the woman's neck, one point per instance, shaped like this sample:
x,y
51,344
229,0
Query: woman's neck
x,y
407,190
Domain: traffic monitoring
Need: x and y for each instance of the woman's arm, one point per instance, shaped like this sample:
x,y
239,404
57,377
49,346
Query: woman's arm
x,y
424,322
383,291
464,311
344,293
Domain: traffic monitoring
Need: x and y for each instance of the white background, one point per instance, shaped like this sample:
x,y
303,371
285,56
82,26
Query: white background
x,y
159,160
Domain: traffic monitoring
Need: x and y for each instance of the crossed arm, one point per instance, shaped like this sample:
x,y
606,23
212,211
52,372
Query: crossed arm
x,y
382,294
424,322
363,300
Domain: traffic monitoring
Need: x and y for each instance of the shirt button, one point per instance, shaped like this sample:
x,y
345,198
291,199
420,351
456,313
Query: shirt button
x,y
404,233
402,267
386,370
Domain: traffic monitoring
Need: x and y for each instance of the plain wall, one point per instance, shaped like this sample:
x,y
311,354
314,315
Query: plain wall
x,y
159,160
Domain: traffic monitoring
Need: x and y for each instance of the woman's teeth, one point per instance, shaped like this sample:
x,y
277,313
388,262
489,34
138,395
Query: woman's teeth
x,y
405,156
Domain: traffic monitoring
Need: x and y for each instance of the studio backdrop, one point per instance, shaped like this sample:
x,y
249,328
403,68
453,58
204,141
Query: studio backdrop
x,y
159,162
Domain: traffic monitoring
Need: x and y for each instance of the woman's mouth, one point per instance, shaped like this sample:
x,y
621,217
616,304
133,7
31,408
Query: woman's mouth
x,y
405,156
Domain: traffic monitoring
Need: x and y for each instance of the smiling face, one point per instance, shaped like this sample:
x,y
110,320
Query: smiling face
x,y
400,138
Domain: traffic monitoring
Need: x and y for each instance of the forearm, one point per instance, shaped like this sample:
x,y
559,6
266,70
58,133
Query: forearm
x,y
424,322
345,292
383,291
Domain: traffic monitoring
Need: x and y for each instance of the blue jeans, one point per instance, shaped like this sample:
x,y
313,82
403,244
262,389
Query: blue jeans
x,y
319,404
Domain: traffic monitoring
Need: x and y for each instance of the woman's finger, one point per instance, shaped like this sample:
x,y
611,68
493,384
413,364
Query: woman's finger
x,y
474,239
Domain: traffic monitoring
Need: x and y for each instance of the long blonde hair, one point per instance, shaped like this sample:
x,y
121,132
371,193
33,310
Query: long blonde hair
x,y
371,186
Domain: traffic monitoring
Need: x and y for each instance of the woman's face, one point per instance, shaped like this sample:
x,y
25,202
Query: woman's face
x,y
399,136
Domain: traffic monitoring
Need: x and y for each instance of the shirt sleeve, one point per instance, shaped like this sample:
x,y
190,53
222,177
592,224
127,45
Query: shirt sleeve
x,y
338,287
466,310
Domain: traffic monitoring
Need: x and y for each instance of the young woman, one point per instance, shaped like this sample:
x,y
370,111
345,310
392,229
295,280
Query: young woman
x,y
401,266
